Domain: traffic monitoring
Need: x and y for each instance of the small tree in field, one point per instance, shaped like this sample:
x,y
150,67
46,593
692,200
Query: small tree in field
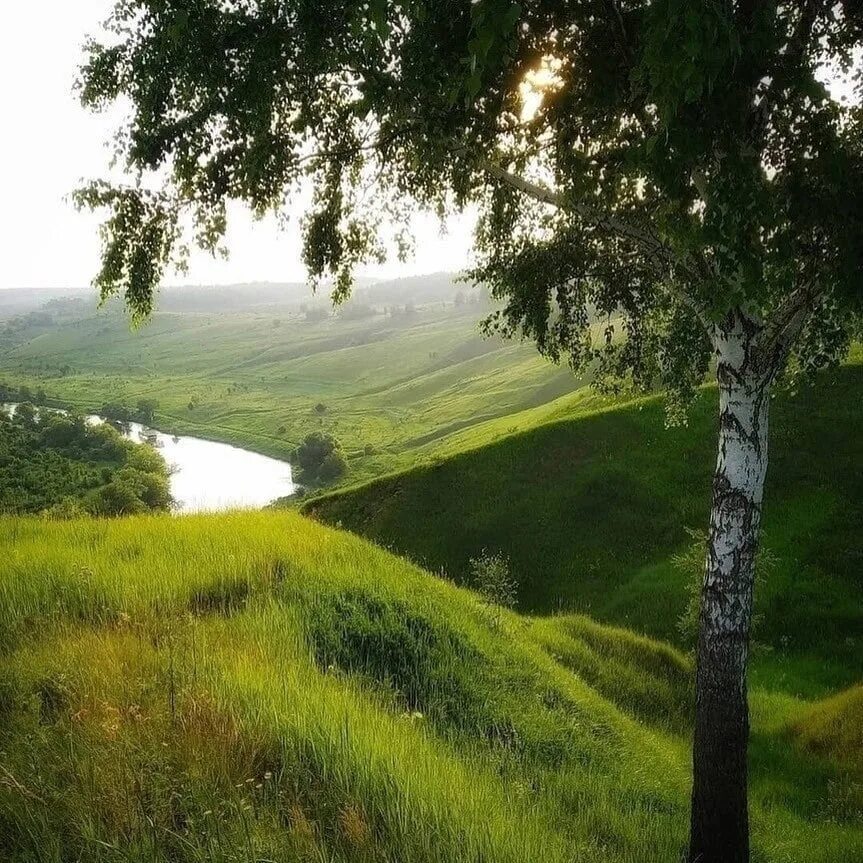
x,y
673,168
491,578
319,459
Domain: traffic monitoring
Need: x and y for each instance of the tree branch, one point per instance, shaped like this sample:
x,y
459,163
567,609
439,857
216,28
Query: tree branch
x,y
642,236
785,325
600,219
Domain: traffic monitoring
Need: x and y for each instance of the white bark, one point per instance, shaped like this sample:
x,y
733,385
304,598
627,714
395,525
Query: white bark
x,y
741,468
720,828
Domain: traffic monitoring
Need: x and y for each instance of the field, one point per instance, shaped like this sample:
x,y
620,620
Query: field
x,y
391,387
258,687
268,686
592,505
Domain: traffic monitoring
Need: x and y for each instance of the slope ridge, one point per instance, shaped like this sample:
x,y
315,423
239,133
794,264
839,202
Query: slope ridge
x,y
593,510
257,686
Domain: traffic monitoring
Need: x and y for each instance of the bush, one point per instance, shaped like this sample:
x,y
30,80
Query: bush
x,y
132,491
491,577
333,467
319,459
146,410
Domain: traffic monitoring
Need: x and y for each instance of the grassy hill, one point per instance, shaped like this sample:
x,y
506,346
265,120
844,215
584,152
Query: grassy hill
x,y
391,386
253,687
591,504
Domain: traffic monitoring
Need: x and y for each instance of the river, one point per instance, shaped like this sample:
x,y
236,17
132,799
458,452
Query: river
x,y
210,476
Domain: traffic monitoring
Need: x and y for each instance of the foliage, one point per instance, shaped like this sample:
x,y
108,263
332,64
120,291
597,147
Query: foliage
x,y
146,410
700,165
117,412
319,460
64,466
491,578
256,686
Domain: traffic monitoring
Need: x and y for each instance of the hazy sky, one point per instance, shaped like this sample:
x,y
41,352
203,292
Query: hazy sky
x,y
49,143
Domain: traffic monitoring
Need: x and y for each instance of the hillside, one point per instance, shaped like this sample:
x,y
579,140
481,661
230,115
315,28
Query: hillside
x,y
259,687
390,381
592,509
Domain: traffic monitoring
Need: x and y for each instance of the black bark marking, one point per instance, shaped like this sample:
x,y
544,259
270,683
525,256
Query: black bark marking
x,y
720,819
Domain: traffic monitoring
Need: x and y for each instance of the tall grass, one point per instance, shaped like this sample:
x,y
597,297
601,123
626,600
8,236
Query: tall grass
x,y
255,687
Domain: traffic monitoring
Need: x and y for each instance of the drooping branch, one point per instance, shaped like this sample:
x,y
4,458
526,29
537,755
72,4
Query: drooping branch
x,y
644,237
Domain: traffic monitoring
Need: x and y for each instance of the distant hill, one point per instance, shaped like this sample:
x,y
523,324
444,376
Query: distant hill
x,y
253,296
20,301
392,376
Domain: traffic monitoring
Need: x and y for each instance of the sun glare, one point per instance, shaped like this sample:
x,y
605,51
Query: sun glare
x,y
537,83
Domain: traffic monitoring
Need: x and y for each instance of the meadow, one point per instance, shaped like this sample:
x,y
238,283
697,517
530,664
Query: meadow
x,y
269,686
595,505
263,378
255,687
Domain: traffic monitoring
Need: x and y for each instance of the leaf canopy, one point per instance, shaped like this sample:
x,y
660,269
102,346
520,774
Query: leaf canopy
x,y
684,160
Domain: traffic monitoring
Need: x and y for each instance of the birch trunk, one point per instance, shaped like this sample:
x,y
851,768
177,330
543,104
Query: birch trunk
x,y
720,820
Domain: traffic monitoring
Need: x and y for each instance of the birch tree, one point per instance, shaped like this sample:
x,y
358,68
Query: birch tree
x,y
676,169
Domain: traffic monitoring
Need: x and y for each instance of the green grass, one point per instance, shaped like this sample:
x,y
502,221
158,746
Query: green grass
x,y
394,389
592,509
834,727
259,687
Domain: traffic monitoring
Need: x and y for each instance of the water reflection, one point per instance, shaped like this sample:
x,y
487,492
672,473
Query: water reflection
x,y
212,476
209,476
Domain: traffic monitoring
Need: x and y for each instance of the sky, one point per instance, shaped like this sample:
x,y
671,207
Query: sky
x,y
49,144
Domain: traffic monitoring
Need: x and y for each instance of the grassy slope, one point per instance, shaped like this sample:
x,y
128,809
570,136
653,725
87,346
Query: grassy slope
x,y
398,386
591,510
259,687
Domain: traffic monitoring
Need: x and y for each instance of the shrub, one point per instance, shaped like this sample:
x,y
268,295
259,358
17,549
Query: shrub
x,y
146,410
319,459
491,577
333,467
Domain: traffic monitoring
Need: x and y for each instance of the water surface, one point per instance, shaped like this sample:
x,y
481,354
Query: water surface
x,y
210,476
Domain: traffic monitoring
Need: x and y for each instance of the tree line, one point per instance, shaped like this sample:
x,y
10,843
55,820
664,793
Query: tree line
x,y
61,466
